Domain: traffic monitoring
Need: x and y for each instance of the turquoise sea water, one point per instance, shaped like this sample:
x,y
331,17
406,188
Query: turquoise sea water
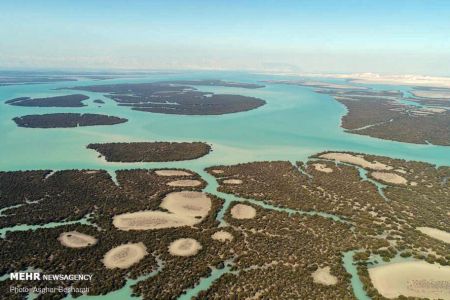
x,y
295,123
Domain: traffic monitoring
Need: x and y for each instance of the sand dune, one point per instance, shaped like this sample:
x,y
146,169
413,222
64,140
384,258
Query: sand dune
x,y
124,256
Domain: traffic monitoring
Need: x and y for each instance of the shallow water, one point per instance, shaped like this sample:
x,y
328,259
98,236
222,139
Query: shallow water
x,y
25,227
295,123
126,291
206,282
357,285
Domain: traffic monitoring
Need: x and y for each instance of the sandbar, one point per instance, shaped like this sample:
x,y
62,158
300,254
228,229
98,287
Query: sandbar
x,y
355,160
431,94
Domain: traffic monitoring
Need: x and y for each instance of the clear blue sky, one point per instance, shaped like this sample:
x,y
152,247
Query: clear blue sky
x,y
387,36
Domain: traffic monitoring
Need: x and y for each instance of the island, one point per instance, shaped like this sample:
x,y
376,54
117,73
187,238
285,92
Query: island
x,y
283,235
66,120
377,115
170,98
215,82
151,151
384,114
74,100
317,84
7,79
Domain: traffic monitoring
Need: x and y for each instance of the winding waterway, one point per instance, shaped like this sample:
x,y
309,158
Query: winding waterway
x,y
295,123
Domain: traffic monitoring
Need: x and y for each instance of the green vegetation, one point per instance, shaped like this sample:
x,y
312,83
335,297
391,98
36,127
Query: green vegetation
x,y
65,120
151,151
272,255
74,100
175,98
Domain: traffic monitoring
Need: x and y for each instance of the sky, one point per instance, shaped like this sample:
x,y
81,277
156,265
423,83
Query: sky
x,y
301,36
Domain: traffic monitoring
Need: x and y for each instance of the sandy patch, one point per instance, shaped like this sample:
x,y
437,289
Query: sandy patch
x,y
75,239
185,208
184,247
355,160
232,181
172,173
322,168
435,233
416,80
223,236
92,171
431,94
435,110
124,256
242,211
217,171
413,279
187,204
147,220
184,183
389,177
323,276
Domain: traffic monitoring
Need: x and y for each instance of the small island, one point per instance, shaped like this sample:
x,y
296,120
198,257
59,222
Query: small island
x,y
74,100
8,79
216,82
66,120
151,151
171,98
